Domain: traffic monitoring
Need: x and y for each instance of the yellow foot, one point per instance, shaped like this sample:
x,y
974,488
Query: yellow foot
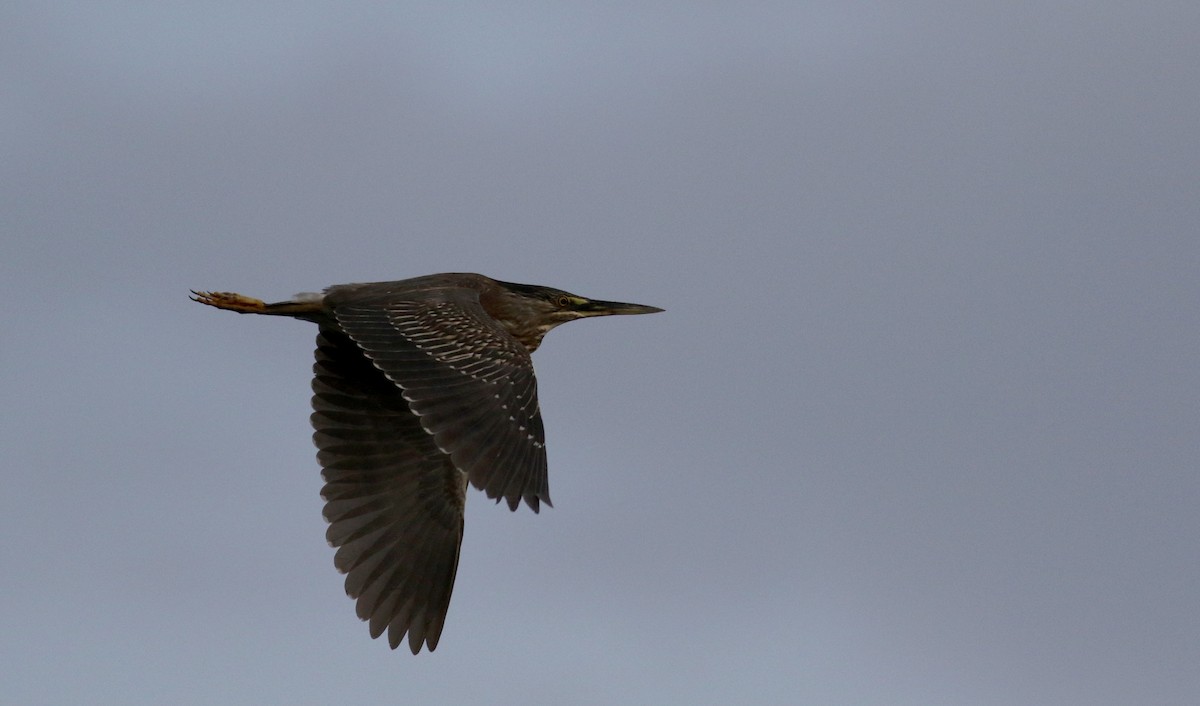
x,y
230,301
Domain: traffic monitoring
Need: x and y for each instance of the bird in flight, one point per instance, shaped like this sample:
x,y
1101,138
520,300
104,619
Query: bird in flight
x,y
419,387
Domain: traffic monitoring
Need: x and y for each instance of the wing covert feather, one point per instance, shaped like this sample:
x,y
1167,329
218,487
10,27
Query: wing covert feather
x,y
471,384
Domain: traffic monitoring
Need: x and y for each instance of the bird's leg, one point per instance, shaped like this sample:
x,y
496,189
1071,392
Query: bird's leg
x,y
307,308
230,301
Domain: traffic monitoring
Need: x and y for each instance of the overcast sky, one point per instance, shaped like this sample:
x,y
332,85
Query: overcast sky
x,y
920,424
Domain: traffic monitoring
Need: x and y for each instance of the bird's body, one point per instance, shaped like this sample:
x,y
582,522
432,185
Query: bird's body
x,y
419,387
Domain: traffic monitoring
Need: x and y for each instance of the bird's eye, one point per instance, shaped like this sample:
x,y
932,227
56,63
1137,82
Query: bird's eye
x,y
563,301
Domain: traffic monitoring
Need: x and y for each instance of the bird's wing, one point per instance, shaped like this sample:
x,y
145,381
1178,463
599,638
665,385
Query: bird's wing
x,y
469,381
393,499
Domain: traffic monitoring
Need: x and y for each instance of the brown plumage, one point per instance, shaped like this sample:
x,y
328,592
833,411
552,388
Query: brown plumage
x,y
419,387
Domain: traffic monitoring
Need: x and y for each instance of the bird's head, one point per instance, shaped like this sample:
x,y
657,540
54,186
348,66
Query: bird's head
x,y
528,311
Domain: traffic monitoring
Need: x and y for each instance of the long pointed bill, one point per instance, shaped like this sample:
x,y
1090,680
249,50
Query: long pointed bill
x,y
593,307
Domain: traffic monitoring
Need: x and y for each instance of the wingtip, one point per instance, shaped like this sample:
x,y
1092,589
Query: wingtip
x,y
535,502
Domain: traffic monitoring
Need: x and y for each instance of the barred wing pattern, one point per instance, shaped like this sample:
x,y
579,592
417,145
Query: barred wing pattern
x,y
470,383
422,387
393,499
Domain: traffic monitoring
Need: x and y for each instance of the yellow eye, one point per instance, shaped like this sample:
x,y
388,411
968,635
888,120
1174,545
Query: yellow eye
x,y
563,301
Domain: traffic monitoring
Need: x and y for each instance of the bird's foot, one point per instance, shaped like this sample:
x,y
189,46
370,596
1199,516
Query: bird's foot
x,y
230,301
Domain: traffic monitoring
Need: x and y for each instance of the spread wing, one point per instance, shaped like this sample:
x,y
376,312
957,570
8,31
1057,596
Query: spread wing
x,y
469,381
393,499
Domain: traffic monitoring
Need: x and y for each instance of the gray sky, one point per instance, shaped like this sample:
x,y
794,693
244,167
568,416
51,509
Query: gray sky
x,y
919,426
